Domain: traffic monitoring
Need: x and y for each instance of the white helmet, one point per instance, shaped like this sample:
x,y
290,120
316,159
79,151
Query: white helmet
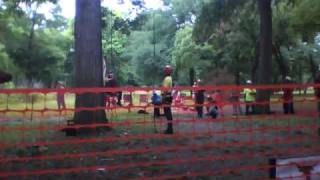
x,y
249,82
288,78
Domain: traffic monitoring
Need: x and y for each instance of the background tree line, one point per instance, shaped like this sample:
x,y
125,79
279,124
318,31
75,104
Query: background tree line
x,y
200,38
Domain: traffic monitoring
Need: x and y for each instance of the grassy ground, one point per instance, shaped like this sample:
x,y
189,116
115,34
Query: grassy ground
x,y
224,147
221,146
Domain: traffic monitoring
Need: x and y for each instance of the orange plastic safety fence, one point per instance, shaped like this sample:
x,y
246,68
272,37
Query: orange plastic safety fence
x,y
212,137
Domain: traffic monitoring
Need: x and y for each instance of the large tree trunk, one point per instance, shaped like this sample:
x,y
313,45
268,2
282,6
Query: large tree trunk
x,y
30,48
191,76
236,74
313,67
283,66
265,63
88,60
255,63
237,78
31,33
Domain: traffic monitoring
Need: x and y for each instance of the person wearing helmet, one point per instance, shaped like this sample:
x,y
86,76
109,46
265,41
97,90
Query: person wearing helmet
x,y
199,98
288,97
167,98
249,98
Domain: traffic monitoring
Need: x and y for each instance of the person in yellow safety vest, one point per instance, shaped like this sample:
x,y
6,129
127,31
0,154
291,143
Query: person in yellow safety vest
x,y
167,98
249,98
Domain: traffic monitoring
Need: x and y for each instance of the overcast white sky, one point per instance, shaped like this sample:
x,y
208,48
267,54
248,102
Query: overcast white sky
x,y
68,6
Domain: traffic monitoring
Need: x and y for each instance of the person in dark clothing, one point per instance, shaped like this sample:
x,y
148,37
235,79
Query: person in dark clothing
x,y
111,81
213,111
317,89
317,93
287,97
167,98
199,99
119,98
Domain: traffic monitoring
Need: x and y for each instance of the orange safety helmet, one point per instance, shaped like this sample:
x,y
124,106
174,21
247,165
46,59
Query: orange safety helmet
x,y
168,70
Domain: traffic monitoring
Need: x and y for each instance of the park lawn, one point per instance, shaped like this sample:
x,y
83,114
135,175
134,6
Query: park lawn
x,y
53,120
253,129
237,131
154,143
51,117
38,102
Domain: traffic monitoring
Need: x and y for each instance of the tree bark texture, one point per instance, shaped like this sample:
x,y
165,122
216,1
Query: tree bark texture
x,y
88,60
283,66
265,63
255,63
313,67
191,76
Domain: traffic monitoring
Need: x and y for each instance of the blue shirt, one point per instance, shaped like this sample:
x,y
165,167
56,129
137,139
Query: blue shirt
x,y
156,99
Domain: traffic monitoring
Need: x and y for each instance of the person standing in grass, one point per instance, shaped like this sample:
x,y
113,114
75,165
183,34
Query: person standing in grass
x,y
235,100
199,99
60,96
167,98
317,89
317,93
288,97
249,98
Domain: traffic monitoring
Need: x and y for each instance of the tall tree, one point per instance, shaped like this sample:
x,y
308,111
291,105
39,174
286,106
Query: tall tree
x,y
33,46
140,48
88,60
115,32
265,62
306,18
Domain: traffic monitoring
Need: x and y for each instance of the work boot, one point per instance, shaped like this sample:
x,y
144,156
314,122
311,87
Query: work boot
x,y
168,131
169,128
